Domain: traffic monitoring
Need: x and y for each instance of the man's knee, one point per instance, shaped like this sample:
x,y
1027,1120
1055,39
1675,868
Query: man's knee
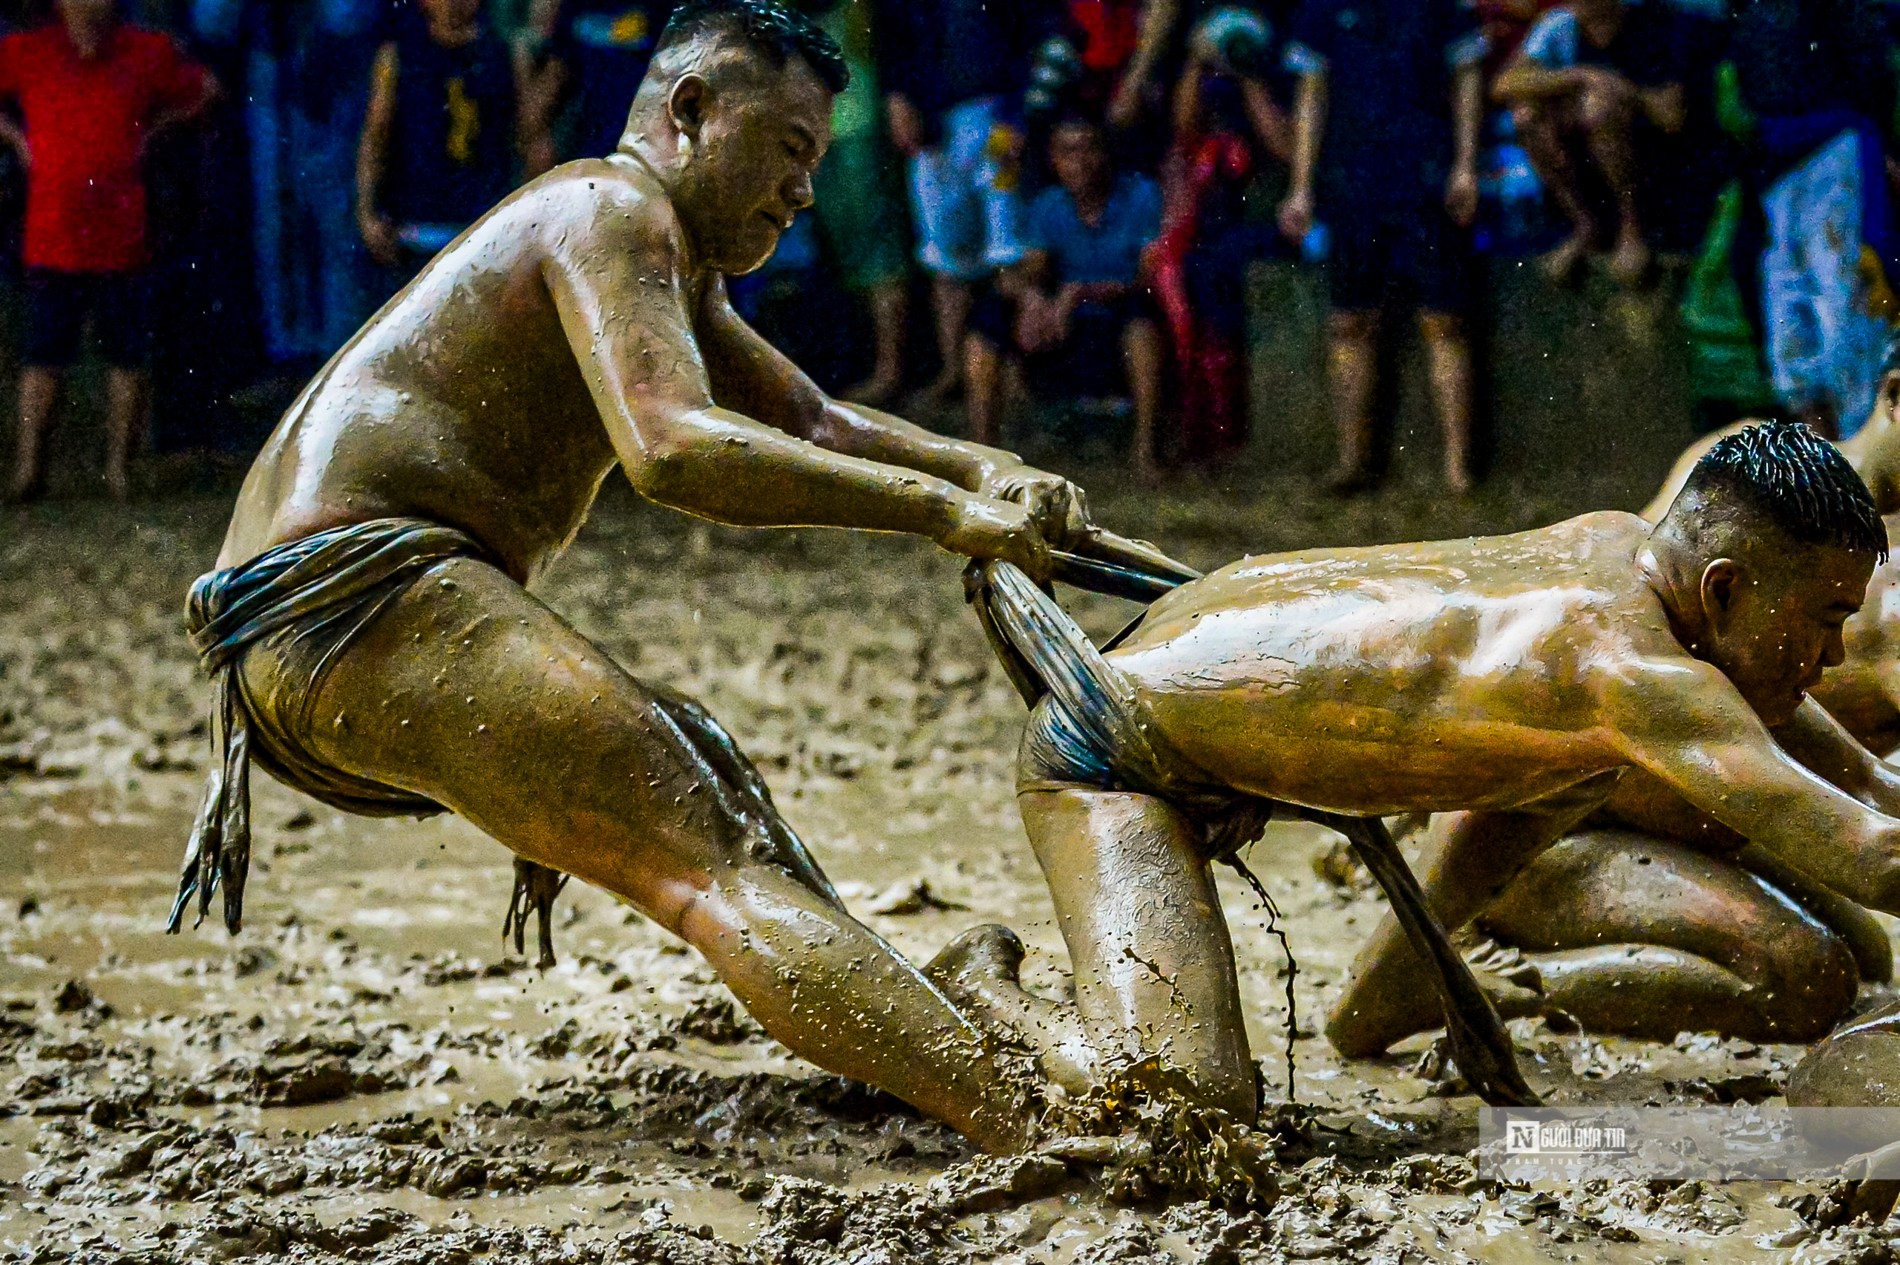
x,y
1807,982
1599,108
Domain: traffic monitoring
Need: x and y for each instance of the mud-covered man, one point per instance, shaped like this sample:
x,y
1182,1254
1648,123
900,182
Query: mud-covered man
x,y
1655,918
369,634
1508,681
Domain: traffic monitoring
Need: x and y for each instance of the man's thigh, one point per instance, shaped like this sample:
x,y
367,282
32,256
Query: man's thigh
x,y
470,692
1613,887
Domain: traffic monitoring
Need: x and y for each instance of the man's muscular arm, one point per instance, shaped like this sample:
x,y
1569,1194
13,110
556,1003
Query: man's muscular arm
x,y
1825,746
754,377
619,287
1684,722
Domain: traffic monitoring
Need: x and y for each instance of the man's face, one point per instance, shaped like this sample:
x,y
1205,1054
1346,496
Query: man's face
x,y
1775,618
756,141
1077,157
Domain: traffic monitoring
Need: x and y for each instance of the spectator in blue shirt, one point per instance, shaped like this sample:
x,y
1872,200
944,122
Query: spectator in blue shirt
x,y
439,143
1386,152
596,55
1077,300
953,74
1586,84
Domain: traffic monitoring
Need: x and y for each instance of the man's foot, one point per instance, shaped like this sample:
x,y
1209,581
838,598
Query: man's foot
x,y
118,484
27,487
976,961
1630,261
1564,264
876,391
1458,481
1146,474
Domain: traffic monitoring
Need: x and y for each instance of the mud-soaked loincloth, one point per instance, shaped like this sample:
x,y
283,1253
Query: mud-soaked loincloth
x,y
307,601
1088,727
310,598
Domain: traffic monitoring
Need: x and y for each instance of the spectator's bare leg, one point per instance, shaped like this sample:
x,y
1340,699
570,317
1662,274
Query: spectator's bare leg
x,y
1143,352
1354,363
983,388
1542,128
39,394
952,300
890,313
125,426
1609,119
1449,355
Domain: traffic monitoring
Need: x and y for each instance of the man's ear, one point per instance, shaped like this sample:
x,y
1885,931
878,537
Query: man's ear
x,y
686,105
1719,581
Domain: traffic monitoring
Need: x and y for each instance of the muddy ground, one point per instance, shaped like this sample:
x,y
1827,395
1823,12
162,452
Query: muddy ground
x,y
367,1073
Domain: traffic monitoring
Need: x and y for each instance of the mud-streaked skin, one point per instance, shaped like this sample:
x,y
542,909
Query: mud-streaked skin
x,y
1505,682
1659,918
582,325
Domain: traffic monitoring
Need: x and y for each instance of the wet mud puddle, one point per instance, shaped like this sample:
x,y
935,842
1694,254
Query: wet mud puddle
x,y
365,1073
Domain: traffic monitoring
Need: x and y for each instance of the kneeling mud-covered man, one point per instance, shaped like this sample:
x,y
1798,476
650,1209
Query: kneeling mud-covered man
x,y
369,633
1509,681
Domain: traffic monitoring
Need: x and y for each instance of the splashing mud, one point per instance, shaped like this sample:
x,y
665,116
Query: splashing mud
x,y
368,1073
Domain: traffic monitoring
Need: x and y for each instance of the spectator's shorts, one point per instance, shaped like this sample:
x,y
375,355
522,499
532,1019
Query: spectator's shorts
x,y
860,214
58,303
964,191
1411,252
1090,363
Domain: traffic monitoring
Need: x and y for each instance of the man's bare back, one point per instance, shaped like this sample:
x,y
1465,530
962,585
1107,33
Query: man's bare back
x,y
1386,679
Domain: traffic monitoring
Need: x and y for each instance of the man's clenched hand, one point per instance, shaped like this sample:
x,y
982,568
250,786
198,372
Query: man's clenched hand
x,y
1056,507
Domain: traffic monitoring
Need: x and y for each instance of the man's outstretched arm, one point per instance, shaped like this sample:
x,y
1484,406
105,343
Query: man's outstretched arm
x,y
1685,723
618,289
754,377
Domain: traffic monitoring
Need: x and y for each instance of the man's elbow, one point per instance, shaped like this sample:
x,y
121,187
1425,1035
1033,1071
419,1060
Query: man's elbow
x,y
663,467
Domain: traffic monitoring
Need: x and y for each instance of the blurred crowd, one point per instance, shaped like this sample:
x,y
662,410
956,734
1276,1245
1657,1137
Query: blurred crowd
x,y
1053,200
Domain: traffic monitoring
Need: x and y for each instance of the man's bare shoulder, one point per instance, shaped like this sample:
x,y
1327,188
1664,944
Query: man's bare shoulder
x,y
595,203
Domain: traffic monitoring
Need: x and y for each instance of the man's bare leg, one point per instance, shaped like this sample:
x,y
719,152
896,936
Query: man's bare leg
x,y
1466,862
983,388
981,970
1639,937
1154,967
39,394
951,301
1542,129
889,302
1353,352
1449,355
125,426
1144,353
472,693
1609,120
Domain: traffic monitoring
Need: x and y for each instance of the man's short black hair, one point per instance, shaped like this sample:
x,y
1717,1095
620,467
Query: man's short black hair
x,y
1799,480
771,27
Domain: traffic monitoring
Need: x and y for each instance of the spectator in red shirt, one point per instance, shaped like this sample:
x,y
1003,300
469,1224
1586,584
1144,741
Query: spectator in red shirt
x,y
91,91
